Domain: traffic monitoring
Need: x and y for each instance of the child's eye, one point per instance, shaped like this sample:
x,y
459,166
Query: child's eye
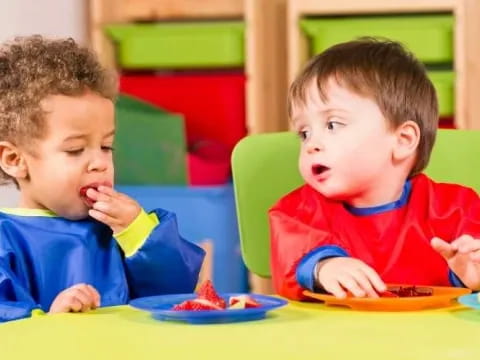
x,y
74,152
333,125
107,148
303,134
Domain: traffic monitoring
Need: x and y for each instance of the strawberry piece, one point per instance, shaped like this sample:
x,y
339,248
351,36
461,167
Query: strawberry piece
x,y
406,291
83,194
205,304
196,305
242,302
186,305
207,292
387,293
84,189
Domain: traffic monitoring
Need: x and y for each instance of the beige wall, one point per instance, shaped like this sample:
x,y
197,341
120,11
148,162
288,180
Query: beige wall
x,y
8,196
53,18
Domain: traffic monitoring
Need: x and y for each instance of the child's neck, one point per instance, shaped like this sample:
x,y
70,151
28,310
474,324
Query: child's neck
x,y
26,200
378,195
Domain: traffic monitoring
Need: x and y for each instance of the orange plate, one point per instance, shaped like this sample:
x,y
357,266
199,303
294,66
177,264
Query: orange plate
x,y
441,297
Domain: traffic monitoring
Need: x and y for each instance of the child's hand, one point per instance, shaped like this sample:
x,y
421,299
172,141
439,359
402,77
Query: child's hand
x,y
340,274
113,208
78,298
463,258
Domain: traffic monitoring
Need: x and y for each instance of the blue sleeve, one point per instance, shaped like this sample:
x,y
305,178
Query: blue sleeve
x,y
306,268
165,263
15,301
454,279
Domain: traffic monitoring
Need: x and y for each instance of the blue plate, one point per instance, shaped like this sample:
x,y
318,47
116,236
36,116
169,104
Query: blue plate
x,y
161,309
470,301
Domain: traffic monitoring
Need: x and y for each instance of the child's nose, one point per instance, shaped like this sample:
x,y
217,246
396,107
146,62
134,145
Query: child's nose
x,y
314,147
98,163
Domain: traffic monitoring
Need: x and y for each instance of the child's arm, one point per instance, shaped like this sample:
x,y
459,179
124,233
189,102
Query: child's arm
x,y
158,260
341,274
455,221
15,300
164,262
303,257
293,246
296,246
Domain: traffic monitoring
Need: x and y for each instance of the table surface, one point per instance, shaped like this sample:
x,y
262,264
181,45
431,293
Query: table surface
x,y
296,331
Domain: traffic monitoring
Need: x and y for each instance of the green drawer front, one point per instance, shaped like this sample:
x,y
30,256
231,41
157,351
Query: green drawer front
x,y
150,146
444,85
429,37
179,45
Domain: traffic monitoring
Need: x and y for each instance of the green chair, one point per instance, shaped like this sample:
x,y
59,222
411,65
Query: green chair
x,y
455,158
265,168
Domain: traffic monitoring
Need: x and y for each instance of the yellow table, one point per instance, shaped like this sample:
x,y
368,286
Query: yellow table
x,y
297,331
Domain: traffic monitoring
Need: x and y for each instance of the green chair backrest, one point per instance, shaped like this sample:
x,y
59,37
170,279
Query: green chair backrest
x,y
455,158
265,168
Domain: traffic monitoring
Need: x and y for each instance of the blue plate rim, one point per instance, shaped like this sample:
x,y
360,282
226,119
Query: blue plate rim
x,y
466,300
272,303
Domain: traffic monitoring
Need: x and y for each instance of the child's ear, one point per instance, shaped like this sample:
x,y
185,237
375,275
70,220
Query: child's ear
x,y
407,139
12,161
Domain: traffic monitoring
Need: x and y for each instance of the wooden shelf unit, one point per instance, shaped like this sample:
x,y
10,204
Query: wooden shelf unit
x,y
104,12
266,64
466,44
265,44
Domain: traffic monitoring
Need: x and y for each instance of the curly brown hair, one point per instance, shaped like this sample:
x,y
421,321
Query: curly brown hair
x,y
385,71
32,68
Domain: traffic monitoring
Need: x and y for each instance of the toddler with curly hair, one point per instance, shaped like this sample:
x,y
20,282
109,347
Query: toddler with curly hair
x,y
73,243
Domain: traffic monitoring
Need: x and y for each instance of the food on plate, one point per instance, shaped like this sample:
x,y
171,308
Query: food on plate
x,y
407,291
208,299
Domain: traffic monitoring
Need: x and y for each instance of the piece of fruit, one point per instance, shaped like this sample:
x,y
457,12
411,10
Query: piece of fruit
x,y
208,299
83,194
407,291
242,302
83,190
387,293
95,185
238,305
207,292
196,305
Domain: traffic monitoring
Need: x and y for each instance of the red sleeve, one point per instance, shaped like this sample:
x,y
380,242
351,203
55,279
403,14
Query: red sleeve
x,y
453,210
471,223
292,237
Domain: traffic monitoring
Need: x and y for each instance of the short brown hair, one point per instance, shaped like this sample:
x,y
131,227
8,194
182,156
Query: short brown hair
x,y
32,68
384,71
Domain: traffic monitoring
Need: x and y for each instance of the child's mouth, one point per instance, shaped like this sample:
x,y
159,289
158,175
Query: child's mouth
x,y
83,192
318,169
83,195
